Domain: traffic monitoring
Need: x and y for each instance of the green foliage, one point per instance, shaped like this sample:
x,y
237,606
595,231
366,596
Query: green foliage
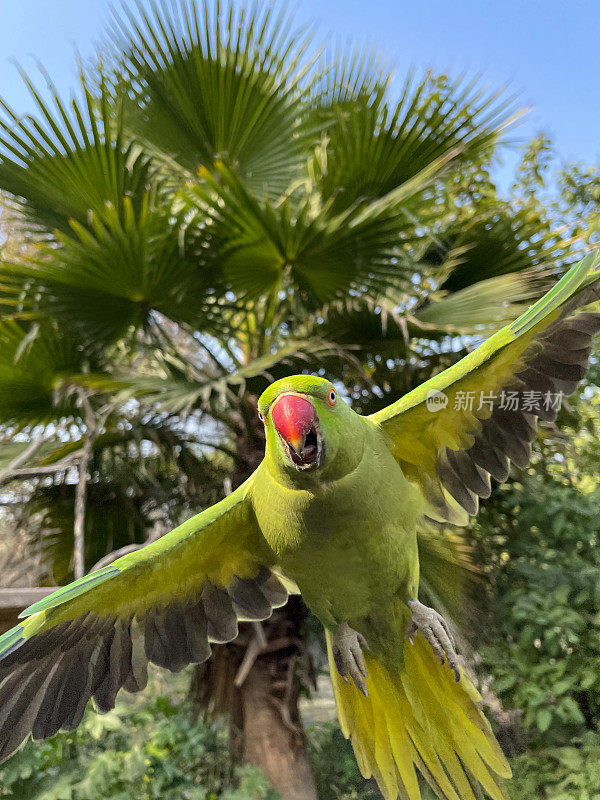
x,y
69,160
560,773
538,540
204,82
336,772
545,656
151,749
34,365
536,161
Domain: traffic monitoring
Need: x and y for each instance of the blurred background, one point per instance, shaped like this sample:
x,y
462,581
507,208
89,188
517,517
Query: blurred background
x,y
197,199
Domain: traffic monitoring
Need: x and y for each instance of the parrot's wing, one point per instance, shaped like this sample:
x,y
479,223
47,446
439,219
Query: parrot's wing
x,y
163,603
453,432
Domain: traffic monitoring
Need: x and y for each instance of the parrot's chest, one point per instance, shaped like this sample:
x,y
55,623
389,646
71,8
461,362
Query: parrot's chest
x,y
349,543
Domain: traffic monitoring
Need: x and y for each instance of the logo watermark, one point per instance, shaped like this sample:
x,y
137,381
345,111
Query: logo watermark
x,y
436,401
527,401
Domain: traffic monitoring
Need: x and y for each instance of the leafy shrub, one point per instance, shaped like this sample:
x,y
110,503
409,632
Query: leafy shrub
x,y
336,772
545,655
145,749
559,773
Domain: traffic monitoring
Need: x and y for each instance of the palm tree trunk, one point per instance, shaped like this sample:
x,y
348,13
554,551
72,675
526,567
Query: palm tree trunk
x,y
273,738
259,695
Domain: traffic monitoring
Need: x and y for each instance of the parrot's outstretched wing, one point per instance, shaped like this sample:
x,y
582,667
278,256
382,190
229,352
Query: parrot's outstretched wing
x,y
453,432
163,603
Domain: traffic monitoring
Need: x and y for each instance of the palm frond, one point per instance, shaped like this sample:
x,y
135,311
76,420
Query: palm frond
x,y
260,245
373,147
114,518
207,82
32,371
482,307
178,387
145,468
349,78
495,240
107,278
70,159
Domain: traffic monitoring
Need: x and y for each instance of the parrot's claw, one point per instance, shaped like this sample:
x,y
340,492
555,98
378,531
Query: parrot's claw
x,y
348,645
435,629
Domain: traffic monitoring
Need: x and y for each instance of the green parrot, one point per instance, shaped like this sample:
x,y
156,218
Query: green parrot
x,y
334,509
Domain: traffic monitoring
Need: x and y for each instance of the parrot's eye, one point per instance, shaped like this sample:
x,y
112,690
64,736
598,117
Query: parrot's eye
x,y
331,397
261,417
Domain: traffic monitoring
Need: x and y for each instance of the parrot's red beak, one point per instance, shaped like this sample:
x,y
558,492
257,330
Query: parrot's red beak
x,y
296,422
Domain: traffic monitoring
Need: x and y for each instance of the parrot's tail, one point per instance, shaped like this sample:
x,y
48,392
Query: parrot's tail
x,y
420,717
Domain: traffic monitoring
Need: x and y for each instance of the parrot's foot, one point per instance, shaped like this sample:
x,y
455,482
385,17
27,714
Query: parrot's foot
x,y
435,629
348,657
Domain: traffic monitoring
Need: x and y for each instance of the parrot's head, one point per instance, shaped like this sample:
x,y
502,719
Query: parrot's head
x,y
309,427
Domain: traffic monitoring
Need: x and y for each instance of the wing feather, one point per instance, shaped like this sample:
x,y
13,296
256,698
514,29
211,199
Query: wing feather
x,y
495,397
164,604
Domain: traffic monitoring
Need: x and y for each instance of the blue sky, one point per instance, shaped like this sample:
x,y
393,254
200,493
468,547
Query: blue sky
x,y
547,52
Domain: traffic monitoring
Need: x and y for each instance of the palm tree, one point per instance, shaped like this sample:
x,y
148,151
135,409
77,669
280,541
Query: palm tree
x,y
216,208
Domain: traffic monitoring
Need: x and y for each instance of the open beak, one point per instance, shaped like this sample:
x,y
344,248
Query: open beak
x,y
297,424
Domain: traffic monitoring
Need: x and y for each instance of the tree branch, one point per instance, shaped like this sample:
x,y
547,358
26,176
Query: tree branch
x,y
27,473
7,473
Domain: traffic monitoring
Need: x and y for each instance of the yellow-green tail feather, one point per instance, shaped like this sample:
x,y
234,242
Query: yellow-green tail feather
x,y
419,718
